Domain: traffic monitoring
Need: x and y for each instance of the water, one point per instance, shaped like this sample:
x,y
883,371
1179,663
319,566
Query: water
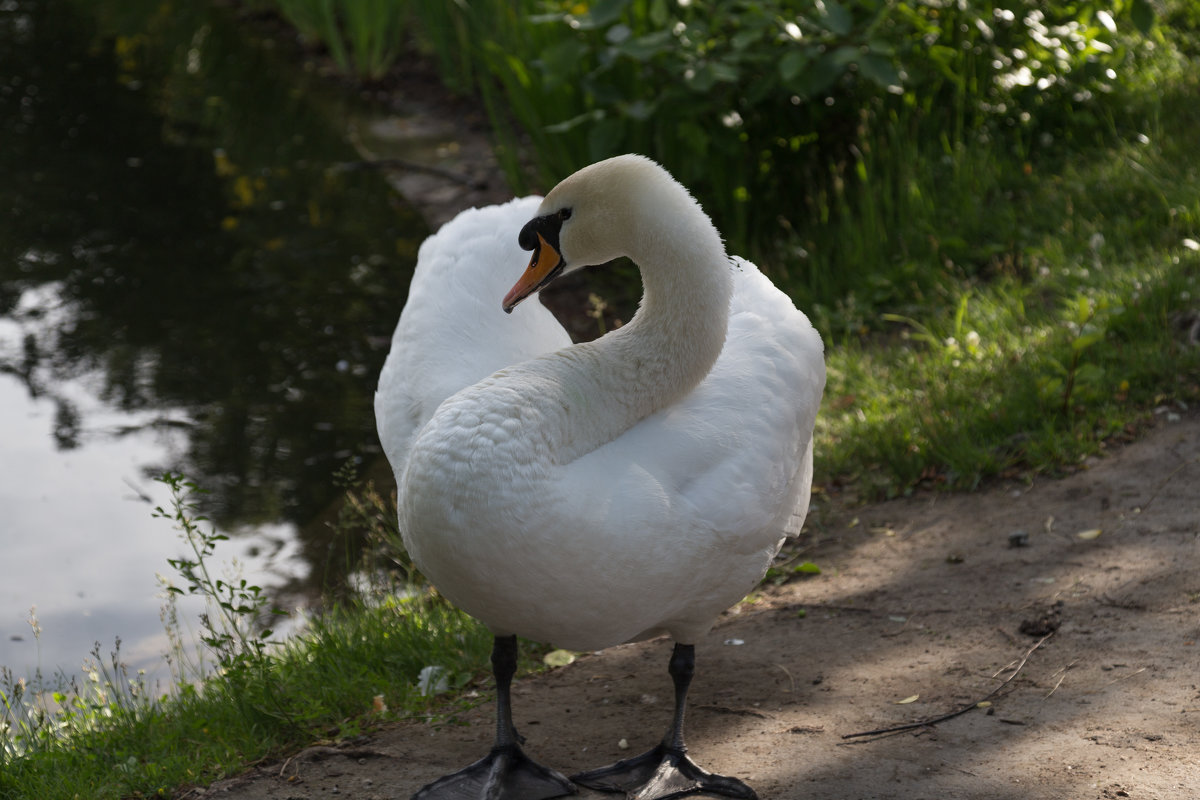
x,y
190,281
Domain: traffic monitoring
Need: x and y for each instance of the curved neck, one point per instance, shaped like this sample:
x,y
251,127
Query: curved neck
x,y
679,330
663,353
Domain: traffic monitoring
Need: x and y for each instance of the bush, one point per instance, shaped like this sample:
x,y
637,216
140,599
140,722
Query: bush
x,y
760,105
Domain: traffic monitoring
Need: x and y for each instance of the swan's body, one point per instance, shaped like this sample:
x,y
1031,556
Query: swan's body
x,y
592,494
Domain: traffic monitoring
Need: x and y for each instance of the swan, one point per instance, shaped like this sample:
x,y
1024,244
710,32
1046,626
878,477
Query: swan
x,y
592,494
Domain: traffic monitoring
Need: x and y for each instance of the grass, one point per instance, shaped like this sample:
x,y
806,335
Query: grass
x,y
356,666
362,37
1045,349
352,669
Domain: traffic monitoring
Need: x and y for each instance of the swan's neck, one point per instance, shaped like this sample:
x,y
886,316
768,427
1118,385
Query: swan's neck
x,y
663,353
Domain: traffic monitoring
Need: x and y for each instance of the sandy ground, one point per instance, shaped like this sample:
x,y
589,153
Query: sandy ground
x,y
924,597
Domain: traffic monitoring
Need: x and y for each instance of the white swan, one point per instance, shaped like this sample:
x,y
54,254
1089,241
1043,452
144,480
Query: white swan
x,y
605,492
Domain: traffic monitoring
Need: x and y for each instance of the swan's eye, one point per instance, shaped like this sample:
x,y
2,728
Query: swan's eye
x,y
564,215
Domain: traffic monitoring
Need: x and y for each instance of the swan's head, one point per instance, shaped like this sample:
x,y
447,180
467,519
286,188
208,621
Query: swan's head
x,y
596,215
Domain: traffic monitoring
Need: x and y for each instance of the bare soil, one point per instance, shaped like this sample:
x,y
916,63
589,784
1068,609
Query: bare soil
x,y
938,598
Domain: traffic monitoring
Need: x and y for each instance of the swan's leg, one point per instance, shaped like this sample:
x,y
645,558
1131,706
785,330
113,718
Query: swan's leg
x,y
506,773
666,771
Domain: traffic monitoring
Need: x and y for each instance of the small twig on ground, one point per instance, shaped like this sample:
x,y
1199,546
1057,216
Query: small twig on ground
x,y
1126,677
1061,679
790,678
1005,668
935,720
738,712
320,752
1164,483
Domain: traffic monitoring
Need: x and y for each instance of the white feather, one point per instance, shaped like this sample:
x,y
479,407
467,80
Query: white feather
x,y
592,494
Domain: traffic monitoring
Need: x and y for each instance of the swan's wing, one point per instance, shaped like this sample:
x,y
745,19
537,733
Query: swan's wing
x,y
453,331
732,462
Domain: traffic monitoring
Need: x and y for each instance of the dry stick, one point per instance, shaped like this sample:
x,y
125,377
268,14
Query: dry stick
x,y
1167,480
1061,678
790,678
963,710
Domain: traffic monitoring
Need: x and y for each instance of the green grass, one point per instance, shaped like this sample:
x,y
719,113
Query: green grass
x,y
363,37
354,667
109,742
1061,330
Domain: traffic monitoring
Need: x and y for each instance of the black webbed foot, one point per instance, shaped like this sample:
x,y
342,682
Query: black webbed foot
x,y
506,773
666,771
659,774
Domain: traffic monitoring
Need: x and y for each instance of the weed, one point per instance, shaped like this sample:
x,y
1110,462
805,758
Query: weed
x,y
230,625
1086,321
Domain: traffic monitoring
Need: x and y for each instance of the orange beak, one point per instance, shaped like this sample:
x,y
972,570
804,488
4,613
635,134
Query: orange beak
x,y
544,265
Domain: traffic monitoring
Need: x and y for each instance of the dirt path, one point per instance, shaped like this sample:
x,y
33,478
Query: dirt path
x,y
923,597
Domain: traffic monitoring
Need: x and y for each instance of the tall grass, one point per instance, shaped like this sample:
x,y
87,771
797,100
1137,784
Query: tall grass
x,y
363,37
1070,331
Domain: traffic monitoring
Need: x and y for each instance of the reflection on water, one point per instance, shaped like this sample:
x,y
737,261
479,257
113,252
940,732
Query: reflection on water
x,y
184,270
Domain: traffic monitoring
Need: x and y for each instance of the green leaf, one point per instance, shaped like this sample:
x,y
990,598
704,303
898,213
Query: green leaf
x,y
702,78
1090,375
594,115
1086,340
646,47
744,38
1049,388
844,55
1083,310
694,137
639,110
604,138
819,76
603,13
561,59
517,68
1142,13
726,73
792,64
879,70
835,19
659,13
808,568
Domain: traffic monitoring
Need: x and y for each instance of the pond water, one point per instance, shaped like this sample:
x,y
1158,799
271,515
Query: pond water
x,y
189,280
